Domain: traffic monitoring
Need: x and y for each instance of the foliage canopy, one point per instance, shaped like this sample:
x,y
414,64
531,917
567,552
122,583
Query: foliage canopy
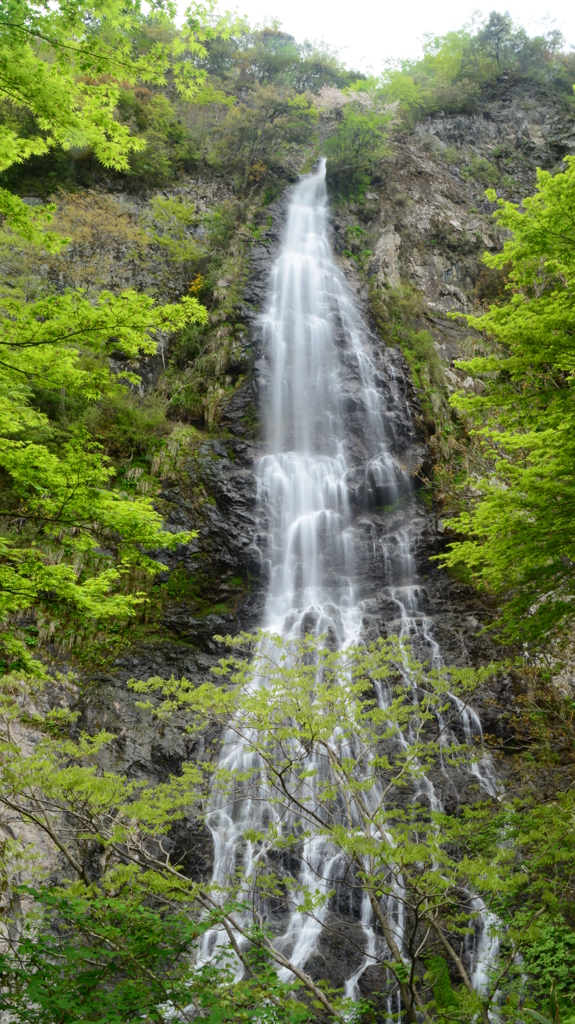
x,y
62,64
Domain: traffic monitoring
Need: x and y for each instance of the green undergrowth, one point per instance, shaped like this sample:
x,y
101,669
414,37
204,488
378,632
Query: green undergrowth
x,y
195,588
443,993
400,320
89,649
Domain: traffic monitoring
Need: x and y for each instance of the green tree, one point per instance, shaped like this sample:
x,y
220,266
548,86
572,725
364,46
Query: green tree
x,y
118,930
265,131
358,143
268,56
62,63
69,538
103,955
337,765
519,520
495,38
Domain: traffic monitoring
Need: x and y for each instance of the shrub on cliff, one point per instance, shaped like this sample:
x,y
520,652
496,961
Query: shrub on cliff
x,y
261,134
357,143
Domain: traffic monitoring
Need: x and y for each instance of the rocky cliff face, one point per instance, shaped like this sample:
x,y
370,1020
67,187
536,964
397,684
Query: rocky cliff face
x,y
434,216
430,224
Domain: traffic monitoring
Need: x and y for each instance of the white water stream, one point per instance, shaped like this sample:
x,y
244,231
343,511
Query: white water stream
x,y
315,343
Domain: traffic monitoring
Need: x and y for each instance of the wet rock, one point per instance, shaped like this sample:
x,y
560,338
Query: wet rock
x,y
200,632
385,261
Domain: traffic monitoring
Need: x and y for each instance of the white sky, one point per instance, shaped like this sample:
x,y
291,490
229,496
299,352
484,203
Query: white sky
x,y
366,32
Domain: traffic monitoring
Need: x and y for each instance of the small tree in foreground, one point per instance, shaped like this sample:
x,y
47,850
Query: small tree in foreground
x,y
341,747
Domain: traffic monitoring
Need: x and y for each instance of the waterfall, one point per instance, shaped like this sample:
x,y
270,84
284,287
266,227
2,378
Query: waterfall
x,y
333,419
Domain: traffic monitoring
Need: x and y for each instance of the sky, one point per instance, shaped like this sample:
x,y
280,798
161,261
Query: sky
x,y
368,32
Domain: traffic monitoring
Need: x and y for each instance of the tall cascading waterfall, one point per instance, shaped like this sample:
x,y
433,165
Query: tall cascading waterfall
x,y
332,413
